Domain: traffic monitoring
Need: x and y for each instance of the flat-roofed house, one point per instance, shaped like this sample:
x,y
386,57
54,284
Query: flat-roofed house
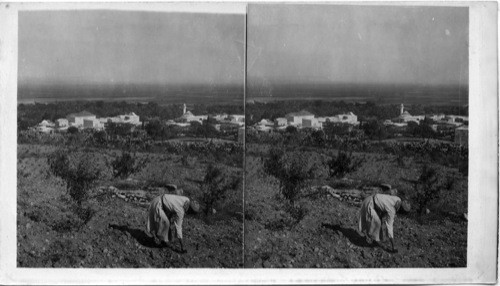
x,y
189,117
220,117
92,124
238,119
62,122
350,118
76,119
280,121
295,118
46,126
312,123
130,118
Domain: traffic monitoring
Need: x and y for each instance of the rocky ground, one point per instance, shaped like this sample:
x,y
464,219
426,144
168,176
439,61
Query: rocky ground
x,y
328,237
48,233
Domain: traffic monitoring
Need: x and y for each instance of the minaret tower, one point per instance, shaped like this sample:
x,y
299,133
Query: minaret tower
x,y
402,109
184,109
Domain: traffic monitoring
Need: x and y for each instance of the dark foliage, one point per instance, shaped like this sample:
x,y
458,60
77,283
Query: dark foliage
x,y
343,163
428,187
80,176
292,170
215,187
126,164
72,130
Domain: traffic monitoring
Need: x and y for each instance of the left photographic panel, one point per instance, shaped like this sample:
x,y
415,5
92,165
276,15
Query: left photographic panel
x,y
130,137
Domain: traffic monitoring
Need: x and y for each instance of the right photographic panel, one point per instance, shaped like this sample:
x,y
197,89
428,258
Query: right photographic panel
x,y
356,136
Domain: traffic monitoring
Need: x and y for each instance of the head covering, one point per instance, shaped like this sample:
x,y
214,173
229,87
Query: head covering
x,y
171,187
406,206
195,206
394,192
385,187
179,192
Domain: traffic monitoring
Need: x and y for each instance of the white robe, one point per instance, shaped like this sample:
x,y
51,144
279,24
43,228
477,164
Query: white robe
x,y
163,209
370,221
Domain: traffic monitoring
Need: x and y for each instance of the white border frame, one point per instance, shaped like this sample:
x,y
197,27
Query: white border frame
x,y
483,166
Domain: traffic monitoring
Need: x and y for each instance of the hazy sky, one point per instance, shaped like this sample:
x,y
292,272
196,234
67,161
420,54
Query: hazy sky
x,y
357,44
114,47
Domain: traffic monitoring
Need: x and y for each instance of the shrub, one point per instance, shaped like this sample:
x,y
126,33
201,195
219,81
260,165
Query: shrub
x,y
291,129
126,164
81,179
343,163
100,138
292,171
318,138
428,187
215,186
59,163
72,130
80,172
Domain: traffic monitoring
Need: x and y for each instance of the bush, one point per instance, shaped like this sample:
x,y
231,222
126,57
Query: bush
x,y
215,186
428,187
80,172
72,130
59,163
100,138
292,171
126,164
343,163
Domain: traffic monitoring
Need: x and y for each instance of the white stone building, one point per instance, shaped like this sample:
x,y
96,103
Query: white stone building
x,y
76,119
280,121
62,122
295,118
92,124
312,123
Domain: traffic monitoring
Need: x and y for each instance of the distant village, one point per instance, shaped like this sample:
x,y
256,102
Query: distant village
x,y
86,120
300,120
305,119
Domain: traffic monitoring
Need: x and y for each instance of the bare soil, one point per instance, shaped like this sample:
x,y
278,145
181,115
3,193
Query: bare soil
x,y
328,237
49,235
